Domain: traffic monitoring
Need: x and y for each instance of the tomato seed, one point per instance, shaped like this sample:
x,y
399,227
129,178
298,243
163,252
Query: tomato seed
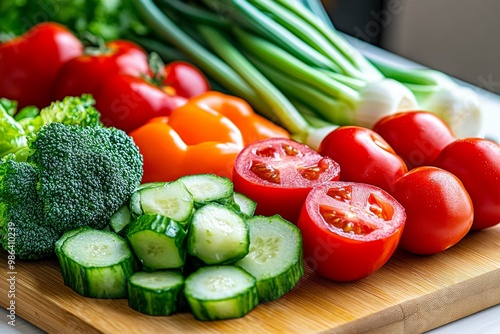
x,y
265,172
343,194
267,151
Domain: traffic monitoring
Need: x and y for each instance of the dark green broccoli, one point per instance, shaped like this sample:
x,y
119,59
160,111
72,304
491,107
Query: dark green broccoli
x,y
21,206
74,176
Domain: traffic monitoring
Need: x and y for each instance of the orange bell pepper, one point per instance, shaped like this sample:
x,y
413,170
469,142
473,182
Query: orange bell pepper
x,y
203,136
253,126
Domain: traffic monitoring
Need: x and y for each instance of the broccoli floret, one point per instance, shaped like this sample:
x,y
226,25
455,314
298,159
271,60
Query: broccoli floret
x,y
27,233
75,176
71,110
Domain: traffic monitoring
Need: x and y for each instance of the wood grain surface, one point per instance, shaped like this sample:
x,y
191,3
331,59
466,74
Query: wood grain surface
x,y
410,294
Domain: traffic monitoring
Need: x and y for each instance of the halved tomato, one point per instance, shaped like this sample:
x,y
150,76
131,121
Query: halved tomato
x,y
349,229
278,173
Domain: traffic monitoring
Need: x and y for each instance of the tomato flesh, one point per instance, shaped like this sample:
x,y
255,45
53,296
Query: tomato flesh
x,y
278,173
349,229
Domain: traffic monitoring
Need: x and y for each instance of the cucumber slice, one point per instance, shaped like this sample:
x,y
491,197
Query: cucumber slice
x,y
244,204
158,293
220,292
157,241
171,199
96,263
120,220
67,276
207,188
275,256
217,234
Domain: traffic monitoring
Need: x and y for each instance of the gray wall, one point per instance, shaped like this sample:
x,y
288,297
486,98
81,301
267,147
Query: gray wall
x,y
459,37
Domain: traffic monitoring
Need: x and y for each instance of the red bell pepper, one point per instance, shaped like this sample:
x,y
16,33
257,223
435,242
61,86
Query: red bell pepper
x,y
29,64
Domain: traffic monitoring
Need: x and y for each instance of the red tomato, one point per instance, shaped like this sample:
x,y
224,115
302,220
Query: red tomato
x,y
349,229
84,73
364,156
416,136
439,210
476,162
186,79
278,173
127,102
29,63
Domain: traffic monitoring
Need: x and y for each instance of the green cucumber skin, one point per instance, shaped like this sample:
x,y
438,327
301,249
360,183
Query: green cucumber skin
x,y
274,287
244,204
67,275
222,257
156,302
224,199
120,221
235,306
164,227
108,282
204,310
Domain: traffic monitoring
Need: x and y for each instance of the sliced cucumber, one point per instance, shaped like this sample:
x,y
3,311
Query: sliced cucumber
x,y
170,199
245,204
207,188
156,293
96,263
217,234
119,221
275,256
67,276
220,292
157,241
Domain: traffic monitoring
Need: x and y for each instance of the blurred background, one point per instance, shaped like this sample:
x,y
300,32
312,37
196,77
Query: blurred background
x,y
458,37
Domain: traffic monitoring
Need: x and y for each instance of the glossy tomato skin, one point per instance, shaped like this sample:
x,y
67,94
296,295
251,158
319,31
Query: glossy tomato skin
x,y
438,208
416,136
349,230
83,74
30,63
128,102
364,156
187,80
476,162
278,173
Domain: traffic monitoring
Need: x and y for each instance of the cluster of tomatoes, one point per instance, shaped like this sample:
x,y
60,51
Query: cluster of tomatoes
x,y
49,62
407,183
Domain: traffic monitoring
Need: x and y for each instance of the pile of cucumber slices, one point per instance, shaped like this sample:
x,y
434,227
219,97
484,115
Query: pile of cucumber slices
x,y
193,244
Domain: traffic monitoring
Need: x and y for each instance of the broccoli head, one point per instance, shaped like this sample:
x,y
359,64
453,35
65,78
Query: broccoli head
x,y
74,176
22,223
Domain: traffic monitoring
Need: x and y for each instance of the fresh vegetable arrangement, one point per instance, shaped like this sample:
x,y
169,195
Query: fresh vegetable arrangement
x,y
73,176
199,247
297,69
188,185
203,136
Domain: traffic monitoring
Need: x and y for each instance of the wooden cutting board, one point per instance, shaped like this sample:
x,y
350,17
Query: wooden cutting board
x,y
410,294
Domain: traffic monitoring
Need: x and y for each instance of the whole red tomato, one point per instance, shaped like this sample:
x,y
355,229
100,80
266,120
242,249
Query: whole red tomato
x,y
83,74
416,136
364,156
187,80
278,173
128,102
439,210
30,63
349,229
476,162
